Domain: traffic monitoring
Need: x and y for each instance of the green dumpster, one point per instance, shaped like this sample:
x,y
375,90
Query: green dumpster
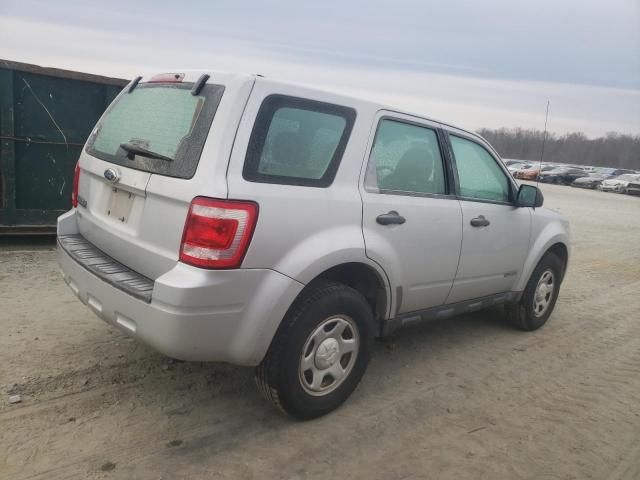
x,y
46,114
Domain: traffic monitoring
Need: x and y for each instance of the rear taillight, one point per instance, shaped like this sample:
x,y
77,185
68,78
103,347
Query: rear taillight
x,y
217,233
76,180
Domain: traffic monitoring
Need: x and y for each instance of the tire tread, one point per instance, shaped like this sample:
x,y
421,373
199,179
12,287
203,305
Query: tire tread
x,y
518,314
266,372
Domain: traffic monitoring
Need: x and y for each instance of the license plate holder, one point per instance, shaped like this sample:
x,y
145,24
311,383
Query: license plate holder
x,y
120,203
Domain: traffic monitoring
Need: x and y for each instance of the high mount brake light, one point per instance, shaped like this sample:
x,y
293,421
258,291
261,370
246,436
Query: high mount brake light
x,y
76,181
217,233
167,78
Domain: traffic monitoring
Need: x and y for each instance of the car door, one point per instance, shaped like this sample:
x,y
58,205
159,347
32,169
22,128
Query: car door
x,y
495,233
411,219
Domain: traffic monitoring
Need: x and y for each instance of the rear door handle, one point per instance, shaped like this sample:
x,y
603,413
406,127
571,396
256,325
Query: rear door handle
x,y
391,218
480,222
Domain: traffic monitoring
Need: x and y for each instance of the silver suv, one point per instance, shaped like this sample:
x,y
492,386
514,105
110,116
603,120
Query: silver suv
x,y
232,218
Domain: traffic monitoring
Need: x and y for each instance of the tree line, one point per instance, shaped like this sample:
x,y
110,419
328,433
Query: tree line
x,y
613,150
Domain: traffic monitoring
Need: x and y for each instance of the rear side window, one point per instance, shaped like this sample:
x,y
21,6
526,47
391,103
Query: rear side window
x,y
297,141
157,128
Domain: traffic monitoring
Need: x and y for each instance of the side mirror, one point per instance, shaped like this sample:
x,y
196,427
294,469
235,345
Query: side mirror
x,y
530,196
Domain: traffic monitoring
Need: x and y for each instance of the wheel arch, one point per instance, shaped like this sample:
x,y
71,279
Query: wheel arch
x,y
555,241
560,250
366,278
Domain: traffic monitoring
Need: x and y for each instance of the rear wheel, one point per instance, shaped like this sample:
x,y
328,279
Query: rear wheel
x,y
320,352
539,296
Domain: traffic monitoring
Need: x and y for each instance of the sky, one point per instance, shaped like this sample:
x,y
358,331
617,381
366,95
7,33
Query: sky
x,y
489,63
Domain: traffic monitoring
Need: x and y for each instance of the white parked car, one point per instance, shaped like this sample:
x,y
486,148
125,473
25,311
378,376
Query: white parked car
x,y
633,188
234,218
618,184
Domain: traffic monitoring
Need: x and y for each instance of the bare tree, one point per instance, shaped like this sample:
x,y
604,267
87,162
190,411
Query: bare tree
x,y
613,150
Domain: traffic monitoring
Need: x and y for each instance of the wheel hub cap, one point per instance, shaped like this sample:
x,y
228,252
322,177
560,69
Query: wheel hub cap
x,y
544,293
327,353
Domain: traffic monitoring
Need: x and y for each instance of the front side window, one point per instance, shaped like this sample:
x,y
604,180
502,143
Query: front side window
x,y
297,141
479,175
157,128
405,158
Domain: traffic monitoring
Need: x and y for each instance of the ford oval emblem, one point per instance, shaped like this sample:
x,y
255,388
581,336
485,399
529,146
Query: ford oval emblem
x,y
112,175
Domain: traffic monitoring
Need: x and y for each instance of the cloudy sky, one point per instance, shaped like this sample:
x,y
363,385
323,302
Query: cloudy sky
x,y
489,63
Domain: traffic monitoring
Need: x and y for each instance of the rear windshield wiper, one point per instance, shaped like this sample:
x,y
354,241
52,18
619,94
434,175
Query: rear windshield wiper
x,y
133,150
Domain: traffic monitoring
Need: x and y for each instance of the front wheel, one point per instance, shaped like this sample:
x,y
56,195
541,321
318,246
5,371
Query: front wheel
x,y
539,297
319,353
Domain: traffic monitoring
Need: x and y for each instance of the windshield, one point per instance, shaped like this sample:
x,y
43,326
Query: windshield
x,y
157,128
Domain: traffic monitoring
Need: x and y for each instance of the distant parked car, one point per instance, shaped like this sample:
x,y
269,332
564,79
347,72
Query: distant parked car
x,y
562,175
613,172
592,181
514,167
523,168
633,188
622,171
510,161
619,183
532,172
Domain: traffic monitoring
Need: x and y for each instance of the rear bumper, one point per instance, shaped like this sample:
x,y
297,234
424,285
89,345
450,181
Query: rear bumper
x,y
193,314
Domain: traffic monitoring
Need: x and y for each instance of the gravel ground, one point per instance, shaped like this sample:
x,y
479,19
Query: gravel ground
x,y
458,399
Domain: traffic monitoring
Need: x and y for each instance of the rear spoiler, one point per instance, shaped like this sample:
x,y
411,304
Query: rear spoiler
x,y
197,87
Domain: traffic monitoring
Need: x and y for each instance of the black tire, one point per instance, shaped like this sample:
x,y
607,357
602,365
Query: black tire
x,y
279,375
522,314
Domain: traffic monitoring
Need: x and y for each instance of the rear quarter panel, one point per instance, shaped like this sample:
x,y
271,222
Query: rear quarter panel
x,y
303,231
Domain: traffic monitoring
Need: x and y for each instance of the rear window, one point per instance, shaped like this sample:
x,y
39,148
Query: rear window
x,y
157,120
297,141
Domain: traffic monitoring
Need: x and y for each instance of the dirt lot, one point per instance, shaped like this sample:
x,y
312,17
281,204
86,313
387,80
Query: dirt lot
x,y
464,398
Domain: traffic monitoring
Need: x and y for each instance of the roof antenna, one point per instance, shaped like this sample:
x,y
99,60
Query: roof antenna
x,y
544,140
